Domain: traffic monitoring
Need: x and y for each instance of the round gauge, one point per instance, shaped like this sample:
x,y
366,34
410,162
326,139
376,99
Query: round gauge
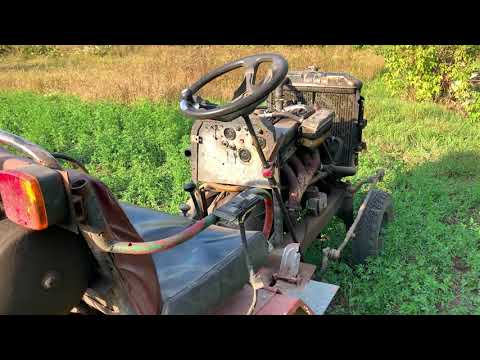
x,y
229,133
244,155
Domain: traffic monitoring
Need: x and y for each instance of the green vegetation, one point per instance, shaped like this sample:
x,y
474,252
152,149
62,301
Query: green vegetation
x,y
431,259
434,72
136,150
431,156
29,51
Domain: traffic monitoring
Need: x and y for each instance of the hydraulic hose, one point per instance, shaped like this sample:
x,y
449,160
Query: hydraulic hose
x,y
267,200
151,247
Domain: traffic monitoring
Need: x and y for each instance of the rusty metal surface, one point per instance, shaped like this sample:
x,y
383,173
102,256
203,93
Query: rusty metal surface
x,y
271,300
134,286
240,302
311,226
268,303
300,171
305,273
315,294
224,153
281,304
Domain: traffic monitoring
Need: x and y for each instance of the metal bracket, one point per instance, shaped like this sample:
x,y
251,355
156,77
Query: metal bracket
x,y
290,263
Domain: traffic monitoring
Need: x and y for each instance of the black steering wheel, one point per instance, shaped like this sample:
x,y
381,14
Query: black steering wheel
x,y
246,98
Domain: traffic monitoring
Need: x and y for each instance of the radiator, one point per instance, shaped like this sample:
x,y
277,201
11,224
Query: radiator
x,y
339,92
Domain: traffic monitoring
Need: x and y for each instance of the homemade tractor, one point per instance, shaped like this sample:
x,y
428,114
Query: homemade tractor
x,y
267,172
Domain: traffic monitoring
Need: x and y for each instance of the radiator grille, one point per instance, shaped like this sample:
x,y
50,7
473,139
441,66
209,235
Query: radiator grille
x,y
343,103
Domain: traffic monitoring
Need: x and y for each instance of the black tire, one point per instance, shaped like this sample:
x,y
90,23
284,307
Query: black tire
x,y
369,234
42,272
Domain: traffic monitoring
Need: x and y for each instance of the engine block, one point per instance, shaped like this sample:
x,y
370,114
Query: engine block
x,y
338,92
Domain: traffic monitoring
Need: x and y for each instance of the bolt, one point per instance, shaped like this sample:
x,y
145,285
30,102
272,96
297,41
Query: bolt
x,y
50,279
185,208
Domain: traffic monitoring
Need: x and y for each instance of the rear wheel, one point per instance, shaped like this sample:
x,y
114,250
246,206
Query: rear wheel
x,y
370,231
42,272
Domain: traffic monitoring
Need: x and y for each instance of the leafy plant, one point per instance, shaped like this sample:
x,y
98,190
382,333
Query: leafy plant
x,y
98,50
439,73
6,49
29,51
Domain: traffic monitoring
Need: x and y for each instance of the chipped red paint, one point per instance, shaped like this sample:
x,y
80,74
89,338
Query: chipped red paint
x,y
269,302
281,304
138,271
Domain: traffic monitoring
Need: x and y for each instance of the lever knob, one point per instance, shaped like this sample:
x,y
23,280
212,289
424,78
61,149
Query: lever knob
x,y
189,187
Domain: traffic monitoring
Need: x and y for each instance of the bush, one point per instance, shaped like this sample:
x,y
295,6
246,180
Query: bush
x,y
29,51
98,50
6,49
439,73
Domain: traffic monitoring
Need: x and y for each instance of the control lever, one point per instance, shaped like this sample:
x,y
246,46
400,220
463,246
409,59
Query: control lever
x,y
190,187
236,211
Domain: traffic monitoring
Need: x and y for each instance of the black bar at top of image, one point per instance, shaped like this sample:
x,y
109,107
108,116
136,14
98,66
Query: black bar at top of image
x,y
268,23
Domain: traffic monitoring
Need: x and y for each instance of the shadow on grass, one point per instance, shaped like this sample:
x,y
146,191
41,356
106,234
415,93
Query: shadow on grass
x,y
432,248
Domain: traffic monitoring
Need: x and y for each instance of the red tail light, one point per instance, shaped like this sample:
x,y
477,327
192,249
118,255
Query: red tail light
x,y
23,199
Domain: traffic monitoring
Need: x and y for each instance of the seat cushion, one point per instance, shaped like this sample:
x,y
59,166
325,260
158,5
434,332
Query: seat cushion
x,y
198,274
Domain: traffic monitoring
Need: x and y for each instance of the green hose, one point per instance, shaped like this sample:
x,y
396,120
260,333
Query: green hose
x,y
150,247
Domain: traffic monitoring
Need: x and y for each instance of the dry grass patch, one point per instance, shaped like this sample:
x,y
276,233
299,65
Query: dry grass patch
x,y
128,73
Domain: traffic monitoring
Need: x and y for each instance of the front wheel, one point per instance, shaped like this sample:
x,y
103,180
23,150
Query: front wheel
x,y
370,231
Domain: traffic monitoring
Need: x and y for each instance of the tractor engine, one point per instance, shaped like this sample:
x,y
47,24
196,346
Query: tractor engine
x,y
311,128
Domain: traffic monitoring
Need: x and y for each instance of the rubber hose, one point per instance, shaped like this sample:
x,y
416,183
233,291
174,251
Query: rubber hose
x,y
155,246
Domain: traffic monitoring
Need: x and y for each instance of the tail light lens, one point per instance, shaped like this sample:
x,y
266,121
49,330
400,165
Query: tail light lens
x,y
23,200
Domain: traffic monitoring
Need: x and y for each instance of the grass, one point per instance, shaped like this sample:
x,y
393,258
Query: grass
x,y
126,74
431,259
136,150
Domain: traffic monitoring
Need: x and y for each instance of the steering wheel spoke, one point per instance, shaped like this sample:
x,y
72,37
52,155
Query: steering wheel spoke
x,y
250,76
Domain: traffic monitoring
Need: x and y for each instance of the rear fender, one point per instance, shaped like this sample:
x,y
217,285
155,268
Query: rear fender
x,y
133,283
